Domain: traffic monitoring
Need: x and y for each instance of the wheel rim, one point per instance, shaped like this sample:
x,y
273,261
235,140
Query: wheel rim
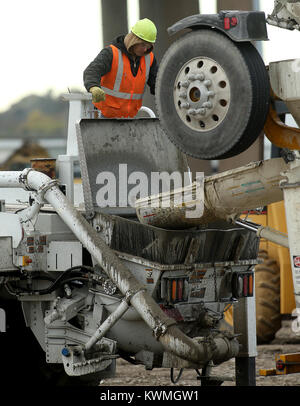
x,y
202,94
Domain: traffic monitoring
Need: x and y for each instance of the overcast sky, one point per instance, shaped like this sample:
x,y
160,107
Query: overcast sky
x,y
47,44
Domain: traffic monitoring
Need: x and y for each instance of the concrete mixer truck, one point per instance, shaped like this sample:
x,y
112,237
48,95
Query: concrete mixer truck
x,y
119,268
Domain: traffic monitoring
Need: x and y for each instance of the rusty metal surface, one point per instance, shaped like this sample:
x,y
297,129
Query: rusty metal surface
x,y
280,134
44,165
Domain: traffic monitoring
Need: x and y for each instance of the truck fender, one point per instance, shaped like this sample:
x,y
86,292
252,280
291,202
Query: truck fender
x,y
238,25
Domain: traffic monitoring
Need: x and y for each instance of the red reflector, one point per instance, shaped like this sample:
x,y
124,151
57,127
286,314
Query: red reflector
x,y
280,365
174,290
180,289
233,21
171,312
227,23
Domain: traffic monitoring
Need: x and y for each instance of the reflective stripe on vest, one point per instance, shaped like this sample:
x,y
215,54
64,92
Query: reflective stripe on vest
x,y
116,89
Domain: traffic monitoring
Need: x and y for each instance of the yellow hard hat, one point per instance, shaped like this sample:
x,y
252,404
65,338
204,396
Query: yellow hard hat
x,y
145,29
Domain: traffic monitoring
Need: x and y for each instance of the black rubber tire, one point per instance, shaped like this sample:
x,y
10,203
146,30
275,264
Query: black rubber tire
x,y
267,287
249,99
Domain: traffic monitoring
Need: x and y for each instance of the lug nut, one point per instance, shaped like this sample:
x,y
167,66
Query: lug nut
x,y
192,112
183,95
200,76
207,83
202,111
185,105
185,84
195,112
210,93
207,105
192,78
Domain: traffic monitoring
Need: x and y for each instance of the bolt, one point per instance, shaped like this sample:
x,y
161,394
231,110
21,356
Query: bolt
x,y
185,84
185,105
202,111
207,105
192,77
192,112
183,95
200,76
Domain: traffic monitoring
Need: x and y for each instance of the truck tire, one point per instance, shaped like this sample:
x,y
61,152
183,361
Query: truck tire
x,y
212,94
267,287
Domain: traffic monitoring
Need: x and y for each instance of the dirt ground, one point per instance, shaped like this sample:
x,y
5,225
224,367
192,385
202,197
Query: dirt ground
x,y
136,375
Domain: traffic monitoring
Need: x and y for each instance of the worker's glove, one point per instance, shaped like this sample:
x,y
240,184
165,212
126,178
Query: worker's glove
x,y
98,94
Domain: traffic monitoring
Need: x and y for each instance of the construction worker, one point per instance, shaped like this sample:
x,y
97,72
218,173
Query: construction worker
x,y
117,77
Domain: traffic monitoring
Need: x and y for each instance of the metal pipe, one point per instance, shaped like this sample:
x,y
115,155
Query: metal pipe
x,y
226,196
30,213
145,305
163,327
273,235
107,324
247,224
148,111
268,233
10,179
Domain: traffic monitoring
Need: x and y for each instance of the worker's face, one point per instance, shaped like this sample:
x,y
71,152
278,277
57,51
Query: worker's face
x,y
141,48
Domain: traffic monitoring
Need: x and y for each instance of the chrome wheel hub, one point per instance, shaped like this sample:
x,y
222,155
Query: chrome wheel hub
x,y
202,94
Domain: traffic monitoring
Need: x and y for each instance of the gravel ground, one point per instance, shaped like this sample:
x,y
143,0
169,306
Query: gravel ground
x,y
136,375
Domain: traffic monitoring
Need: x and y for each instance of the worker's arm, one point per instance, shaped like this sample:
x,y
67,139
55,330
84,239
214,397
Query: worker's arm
x,y
97,68
152,76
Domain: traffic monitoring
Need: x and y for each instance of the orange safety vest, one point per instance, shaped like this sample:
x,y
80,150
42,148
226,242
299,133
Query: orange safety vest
x,y
124,92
